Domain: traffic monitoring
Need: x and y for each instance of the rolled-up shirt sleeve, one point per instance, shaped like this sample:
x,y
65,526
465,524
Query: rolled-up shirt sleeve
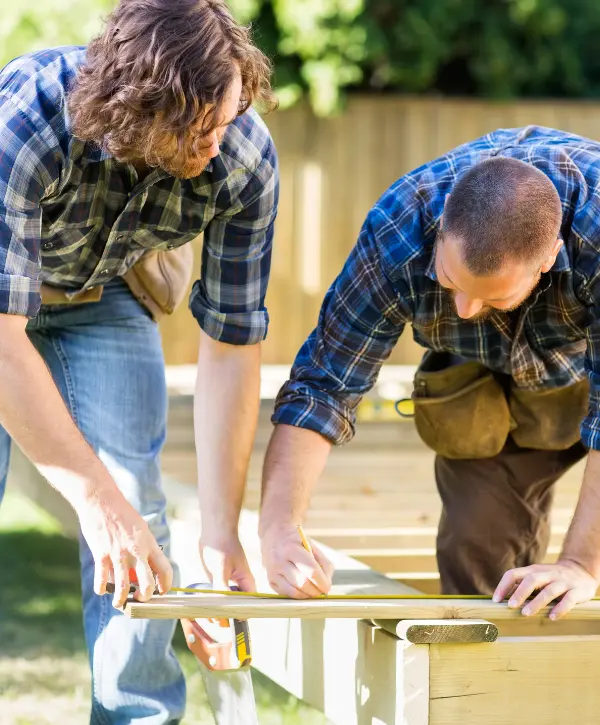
x,y
24,160
228,300
361,319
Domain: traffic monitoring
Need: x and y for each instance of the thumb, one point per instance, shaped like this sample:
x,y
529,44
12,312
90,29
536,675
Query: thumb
x,y
215,567
245,581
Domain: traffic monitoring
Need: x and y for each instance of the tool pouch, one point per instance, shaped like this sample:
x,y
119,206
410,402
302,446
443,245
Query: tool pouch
x,y
460,407
549,419
160,279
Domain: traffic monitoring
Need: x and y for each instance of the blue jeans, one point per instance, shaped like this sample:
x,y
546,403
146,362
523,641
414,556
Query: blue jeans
x,y
106,360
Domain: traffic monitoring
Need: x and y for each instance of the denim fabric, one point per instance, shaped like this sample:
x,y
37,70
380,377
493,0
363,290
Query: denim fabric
x,y
106,359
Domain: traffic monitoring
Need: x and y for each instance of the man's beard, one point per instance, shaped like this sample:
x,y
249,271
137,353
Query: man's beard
x,y
487,311
187,170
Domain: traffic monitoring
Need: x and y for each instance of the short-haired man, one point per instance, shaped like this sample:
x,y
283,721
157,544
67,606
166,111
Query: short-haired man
x,y
492,253
112,159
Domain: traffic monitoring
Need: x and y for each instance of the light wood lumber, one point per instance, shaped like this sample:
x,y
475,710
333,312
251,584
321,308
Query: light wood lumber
x,y
551,680
192,606
350,670
446,631
353,672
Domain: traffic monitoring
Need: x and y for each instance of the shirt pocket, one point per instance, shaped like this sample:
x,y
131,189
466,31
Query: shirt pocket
x,y
61,248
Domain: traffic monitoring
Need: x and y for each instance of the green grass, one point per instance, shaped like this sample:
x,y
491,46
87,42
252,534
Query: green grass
x,y
44,675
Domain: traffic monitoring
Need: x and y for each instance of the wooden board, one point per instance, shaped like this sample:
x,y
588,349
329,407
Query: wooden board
x,y
446,631
376,501
551,680
239,607
353,672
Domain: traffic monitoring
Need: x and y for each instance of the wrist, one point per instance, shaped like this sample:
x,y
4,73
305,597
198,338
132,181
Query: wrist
x,y
576,562
216,531
85,491
273,525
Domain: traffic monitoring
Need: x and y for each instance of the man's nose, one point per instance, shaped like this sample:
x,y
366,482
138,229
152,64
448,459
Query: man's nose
x,y
467,307
213,148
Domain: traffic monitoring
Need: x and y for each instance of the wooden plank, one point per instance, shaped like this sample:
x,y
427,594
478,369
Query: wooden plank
x,y
353,672
537,680
447,631
410,560
239,607
520,627
350,670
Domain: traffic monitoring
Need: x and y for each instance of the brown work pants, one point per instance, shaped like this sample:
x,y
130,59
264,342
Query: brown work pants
x,y
496,513
500,451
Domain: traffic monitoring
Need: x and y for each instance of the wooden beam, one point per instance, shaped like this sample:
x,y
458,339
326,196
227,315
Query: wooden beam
x,y
353,672
239,607
538,680
447,631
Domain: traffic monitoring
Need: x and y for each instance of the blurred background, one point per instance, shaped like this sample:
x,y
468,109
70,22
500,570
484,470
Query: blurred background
x,y
368,89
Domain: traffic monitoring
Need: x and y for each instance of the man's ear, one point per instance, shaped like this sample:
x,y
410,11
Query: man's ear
x,y
551,258
442,217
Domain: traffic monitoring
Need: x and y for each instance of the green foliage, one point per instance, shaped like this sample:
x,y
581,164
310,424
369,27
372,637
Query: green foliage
x,y
27,25
321,48
496,49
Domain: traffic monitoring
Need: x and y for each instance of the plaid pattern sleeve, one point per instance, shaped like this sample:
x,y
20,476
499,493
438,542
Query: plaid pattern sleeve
x,y
360,322
228,299
590,426
23,158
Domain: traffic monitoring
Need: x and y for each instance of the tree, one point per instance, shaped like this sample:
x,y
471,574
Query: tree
x,y
324,48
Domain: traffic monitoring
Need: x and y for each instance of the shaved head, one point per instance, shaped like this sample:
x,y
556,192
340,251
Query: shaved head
x,y
503,210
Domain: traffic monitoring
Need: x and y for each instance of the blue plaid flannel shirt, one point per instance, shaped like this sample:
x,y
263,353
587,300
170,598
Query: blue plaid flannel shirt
x,y
74,217
389,282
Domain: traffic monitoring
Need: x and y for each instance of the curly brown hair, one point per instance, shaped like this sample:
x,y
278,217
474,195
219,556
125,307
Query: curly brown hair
x,y
160,68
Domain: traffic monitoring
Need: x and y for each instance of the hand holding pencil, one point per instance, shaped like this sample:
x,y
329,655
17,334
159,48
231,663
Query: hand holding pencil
x,y
296,568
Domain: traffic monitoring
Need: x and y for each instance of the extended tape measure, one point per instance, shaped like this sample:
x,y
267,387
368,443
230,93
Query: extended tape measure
x,y
399,597
269,595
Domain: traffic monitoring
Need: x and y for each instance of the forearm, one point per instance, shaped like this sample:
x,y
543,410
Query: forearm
x,y
226,406
36,417
582,543
294,462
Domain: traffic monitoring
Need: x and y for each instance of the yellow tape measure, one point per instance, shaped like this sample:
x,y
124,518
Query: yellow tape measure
x,y
399,597
269,595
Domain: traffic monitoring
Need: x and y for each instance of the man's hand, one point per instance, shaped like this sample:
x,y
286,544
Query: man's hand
x,y
120,540
225,563
291,569
565,579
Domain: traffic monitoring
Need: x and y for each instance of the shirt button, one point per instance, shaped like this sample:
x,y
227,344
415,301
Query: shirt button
x,y
48,245
104,271
170,246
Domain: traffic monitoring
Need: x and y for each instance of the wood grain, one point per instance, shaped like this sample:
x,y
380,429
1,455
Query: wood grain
x,y
447,631
199,606
551,680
